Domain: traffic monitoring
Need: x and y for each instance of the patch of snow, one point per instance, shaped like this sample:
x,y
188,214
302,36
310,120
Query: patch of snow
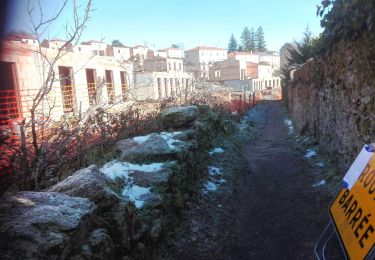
x,y
169,138
310,153
141,139
221,181
288,122
321,183
115,169
134,193
212,171
290,125
216,150
210,186
320,164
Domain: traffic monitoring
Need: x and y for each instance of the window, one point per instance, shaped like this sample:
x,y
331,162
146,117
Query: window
x,y
67,88
174,65
110,87
171,85
9,107
79,48
179,66
91,86
159,89
124,85
169,66
177,86
118,51
166,87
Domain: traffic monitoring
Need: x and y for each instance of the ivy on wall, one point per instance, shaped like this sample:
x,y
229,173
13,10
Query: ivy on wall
x,y
345,19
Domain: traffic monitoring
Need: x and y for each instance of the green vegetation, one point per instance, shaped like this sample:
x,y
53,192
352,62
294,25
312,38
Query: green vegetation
x,y
343,19
232,45
260,41
251,40
117,43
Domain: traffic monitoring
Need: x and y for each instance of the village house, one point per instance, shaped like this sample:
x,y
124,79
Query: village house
x,y
240,74
164,78
272,57
199,59
87,74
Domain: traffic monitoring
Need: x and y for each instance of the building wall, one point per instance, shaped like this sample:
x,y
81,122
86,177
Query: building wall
x,y
264,71
201,58
160,85
225,70
30,78
257,85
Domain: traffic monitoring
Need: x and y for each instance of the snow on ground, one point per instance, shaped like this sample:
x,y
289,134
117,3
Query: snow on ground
x,y
169,138
115,169
320,164
214,180
216,150
141,139
290,125
321,183
213,171
310,153
209,186
134,193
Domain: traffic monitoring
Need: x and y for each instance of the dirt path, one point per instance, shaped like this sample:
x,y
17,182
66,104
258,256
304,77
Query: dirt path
x,y
275,212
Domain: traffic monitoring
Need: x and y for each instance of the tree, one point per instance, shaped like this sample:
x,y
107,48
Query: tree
x,y
42,105
245,39
253,40
232,45
301,51
175,46
117,43
261,42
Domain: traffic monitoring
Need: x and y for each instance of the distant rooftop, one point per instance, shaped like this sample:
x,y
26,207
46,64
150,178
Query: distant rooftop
x,y
207,48
19,36
92,41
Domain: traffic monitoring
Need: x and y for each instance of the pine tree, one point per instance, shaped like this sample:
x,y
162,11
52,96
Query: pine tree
x,y
232,45
245,39
301,51
253,40
261,42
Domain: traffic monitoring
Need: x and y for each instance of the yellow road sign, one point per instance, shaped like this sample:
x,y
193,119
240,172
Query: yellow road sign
x,y
353,213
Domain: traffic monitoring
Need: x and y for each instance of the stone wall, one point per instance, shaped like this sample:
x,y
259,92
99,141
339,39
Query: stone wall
x,y
333,98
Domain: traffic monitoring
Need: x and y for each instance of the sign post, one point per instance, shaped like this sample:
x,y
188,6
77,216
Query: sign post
x,y
353,215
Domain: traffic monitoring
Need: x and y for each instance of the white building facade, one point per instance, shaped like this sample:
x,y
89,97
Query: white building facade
x,y
199,59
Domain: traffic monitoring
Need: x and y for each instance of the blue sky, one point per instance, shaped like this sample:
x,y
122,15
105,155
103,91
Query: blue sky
x,y
159,23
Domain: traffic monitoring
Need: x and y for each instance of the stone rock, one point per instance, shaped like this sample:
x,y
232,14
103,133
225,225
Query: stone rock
x,y
89,183
152,199
101,245
152,147
145,179
43,225
113,213
178,117
186,135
